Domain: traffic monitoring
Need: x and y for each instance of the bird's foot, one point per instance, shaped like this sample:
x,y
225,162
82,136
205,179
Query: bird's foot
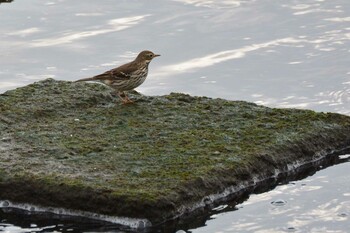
x,y
127,101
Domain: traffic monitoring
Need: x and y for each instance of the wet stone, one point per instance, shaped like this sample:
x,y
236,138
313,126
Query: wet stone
x,y
5,204
74,146
180,231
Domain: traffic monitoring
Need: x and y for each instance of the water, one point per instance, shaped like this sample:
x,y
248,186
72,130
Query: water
x,y
278,53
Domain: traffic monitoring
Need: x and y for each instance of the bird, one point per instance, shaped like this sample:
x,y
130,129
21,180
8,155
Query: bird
x,y
126,77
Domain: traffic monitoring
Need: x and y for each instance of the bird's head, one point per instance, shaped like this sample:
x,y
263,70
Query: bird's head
x,y
146,56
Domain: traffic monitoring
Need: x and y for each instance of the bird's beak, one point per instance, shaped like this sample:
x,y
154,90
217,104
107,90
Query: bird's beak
x,y
156,55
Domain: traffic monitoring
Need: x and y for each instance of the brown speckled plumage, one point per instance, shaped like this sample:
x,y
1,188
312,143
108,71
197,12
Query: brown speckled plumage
x,y
126,77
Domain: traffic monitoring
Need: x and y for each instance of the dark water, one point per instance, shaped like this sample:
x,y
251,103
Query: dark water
x,y
291,53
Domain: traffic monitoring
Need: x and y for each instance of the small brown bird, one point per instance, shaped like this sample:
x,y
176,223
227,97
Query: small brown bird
x,y
126,77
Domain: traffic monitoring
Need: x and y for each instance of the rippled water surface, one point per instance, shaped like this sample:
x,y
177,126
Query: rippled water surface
x,y
280,53
291,53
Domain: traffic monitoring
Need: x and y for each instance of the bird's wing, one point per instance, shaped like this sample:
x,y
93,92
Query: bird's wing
x,y
120,73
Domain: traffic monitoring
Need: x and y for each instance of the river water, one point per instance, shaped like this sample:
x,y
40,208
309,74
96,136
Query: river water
x,y
277,53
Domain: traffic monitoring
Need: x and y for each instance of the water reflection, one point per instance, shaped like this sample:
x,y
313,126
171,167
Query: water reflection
x,y
223,56
337,19
113,25
213,4
24,33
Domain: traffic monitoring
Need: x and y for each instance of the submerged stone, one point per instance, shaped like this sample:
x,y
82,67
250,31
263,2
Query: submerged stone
x,y
73,145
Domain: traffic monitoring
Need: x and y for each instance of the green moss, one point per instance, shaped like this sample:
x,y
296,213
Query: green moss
x,y
78,135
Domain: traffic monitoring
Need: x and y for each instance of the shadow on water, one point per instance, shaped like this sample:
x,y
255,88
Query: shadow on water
x,y
12,220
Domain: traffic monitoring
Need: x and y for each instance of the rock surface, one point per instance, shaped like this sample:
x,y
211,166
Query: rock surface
x,y
73,145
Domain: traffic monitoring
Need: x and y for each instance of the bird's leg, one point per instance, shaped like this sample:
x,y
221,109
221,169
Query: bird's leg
x,y
125,99
120,94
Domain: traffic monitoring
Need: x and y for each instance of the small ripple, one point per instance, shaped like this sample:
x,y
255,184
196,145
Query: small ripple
x,y
212,4
340,98
338,19
279,202
290,229
343,215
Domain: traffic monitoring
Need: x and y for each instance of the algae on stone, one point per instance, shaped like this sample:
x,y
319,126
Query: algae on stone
x,y
82,149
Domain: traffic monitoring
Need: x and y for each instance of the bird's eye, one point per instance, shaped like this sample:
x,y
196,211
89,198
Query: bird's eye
x,y
150,55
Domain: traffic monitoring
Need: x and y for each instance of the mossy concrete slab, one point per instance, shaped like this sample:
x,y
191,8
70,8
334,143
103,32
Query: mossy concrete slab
x,y
73,145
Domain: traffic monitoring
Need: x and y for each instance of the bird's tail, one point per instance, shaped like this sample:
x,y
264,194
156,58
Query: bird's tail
x,y
86,79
